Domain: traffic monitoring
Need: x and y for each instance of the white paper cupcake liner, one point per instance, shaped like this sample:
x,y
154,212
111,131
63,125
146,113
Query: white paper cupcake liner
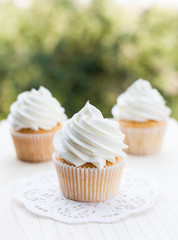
x,y
89,184
36,147
143,141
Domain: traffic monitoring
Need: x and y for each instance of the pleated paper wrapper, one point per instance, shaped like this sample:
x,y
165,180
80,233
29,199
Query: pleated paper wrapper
x,y
36,147
88,184
143,141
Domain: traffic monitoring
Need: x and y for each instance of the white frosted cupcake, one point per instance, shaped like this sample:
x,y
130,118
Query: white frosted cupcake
x,y
142,115
88,156
35,118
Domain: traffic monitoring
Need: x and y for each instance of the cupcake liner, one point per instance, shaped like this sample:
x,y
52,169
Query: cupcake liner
x,y
88,184
36,147
143,141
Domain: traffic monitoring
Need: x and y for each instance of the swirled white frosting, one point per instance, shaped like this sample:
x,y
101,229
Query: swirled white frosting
x,y
140,103
36,109
88,137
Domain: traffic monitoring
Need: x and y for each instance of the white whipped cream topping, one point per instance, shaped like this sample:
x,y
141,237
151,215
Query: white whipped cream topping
x,y
36,109
140,103
88,137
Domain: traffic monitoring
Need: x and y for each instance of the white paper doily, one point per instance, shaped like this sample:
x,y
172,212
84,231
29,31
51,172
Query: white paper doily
x,y
40,194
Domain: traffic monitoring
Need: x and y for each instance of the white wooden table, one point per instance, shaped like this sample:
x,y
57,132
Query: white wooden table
x,y
160,222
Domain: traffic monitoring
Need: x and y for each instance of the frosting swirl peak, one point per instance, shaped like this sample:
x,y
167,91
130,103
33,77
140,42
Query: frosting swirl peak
x,y
88,137
36,109
140,103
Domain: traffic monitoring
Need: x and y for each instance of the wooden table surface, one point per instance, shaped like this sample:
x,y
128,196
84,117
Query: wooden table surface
x,y
160,222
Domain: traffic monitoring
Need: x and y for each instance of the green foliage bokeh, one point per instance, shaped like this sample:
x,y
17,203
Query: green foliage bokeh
x,y
85,53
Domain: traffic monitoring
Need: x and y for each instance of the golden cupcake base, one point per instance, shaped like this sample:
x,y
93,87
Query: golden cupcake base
x,y
143,138
88,183
34,146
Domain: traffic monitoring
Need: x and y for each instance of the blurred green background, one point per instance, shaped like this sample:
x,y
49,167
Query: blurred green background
x,y
86,52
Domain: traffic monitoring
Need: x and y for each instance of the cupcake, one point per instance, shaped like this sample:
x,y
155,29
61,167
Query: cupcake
x,y
142,115
35,118
88,156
